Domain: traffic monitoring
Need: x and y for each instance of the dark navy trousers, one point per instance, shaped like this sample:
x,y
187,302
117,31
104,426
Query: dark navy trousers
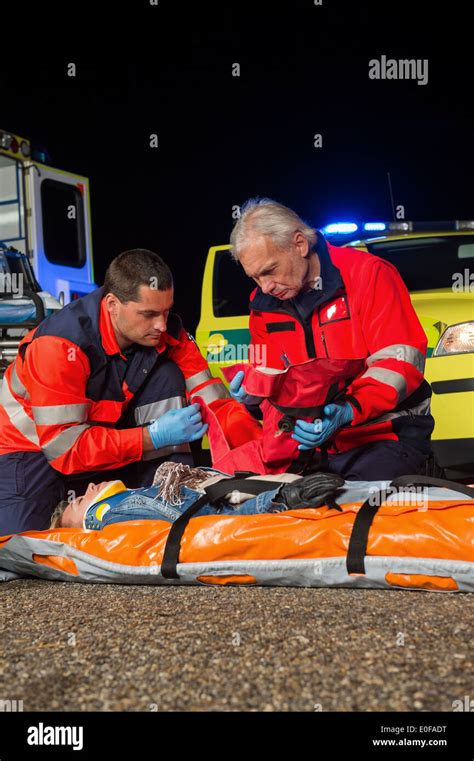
x,y
382,460
30,488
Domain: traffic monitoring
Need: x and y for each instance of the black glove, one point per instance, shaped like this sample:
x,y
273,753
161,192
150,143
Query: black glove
x,y
310,491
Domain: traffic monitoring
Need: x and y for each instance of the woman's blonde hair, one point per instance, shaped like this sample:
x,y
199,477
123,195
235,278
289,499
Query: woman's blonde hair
x,y
58,513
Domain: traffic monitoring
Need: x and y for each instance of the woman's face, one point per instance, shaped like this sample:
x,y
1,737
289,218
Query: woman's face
x,y
73,515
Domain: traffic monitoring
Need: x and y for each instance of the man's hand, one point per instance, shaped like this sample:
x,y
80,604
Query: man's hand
x,y
238,392
177,427
311,435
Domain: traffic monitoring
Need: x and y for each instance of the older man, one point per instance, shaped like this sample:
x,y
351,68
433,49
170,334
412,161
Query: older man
x,y
317,300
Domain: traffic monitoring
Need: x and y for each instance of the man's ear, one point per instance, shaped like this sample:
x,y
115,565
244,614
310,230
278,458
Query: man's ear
x,y
111,302
301,244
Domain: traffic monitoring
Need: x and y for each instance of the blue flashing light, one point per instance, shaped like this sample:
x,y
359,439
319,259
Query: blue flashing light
x,y
340,227
375,226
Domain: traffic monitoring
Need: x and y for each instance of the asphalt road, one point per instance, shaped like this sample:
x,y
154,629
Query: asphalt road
x,y
66,646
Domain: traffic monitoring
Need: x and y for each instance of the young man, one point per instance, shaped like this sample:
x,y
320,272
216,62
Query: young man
x,y
111,501
104,385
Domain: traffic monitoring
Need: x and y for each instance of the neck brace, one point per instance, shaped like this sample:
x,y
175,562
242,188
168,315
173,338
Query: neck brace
x,y
116,487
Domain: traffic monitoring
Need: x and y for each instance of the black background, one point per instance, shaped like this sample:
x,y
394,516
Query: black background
x,y
304,70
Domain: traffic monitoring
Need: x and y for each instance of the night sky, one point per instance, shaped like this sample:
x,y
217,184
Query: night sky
x,y
222,139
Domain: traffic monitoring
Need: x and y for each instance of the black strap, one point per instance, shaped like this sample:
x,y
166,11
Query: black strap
x,y
430,481
302,462
363,521
246,485
333,395
357,549
173,543
213,493
299,412
332,504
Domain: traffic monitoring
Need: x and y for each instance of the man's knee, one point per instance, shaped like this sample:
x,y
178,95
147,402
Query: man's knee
x,y
29,491
382,460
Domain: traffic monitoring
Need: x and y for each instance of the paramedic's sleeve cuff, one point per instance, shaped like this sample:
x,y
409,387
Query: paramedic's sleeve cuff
x,y
131,442
357,413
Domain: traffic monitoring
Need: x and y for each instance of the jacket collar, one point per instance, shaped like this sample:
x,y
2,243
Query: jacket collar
x,y
331,280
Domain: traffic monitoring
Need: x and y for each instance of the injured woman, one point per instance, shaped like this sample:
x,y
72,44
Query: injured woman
x,y
176,487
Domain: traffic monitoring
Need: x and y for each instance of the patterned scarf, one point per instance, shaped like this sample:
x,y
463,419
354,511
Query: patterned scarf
x,y
171,476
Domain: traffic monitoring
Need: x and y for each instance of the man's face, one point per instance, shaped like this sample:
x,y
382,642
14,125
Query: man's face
x,y
280,273
143,321
73,515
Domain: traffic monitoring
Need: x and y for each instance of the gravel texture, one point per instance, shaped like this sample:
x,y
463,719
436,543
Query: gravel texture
x,y
83,647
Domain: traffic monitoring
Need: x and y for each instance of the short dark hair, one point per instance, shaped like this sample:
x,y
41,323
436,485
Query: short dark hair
x,y
131,269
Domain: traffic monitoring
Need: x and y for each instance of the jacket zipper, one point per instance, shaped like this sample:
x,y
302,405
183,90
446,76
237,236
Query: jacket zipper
x,y
309,339
308,332
323,339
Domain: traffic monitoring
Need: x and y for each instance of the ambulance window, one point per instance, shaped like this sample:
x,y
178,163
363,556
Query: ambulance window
x,y
12,211
232,287
427,263
63,223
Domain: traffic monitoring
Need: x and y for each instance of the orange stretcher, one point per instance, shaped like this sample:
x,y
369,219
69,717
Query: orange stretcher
x,y
416,533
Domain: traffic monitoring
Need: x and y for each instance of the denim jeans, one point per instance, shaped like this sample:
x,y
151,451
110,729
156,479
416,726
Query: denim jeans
x,y
138,507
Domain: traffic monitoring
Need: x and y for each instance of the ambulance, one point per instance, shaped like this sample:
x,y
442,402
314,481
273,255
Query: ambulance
x,y
45,240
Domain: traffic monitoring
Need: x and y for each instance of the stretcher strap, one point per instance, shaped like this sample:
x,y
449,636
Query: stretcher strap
x,y
360,531
213,493
246,485
430,481
357,549
173,543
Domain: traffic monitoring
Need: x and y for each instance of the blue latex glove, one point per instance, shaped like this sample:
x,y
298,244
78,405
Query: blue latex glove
x,y
310,435
238,392
177,427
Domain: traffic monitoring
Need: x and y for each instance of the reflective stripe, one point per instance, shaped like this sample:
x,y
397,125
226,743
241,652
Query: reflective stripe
x,y
16,384
63,441
424,408
402,352
148,412
154,453
212,392
390,378
18,417
56,414
197,378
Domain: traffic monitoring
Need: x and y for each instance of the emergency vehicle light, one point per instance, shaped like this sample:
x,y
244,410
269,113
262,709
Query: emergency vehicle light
x,y
375,226
340,227
404,227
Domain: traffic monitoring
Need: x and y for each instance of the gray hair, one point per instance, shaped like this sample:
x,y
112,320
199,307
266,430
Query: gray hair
x,y
266,217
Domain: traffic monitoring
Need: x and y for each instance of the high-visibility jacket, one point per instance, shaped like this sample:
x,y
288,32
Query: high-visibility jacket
x,y
361,311
299,392
70,384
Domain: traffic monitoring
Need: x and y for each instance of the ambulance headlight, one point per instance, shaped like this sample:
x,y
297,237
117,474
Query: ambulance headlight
x,y
457,339
5,140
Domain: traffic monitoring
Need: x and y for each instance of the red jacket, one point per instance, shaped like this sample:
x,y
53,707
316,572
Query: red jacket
x,y
64,392
362,311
